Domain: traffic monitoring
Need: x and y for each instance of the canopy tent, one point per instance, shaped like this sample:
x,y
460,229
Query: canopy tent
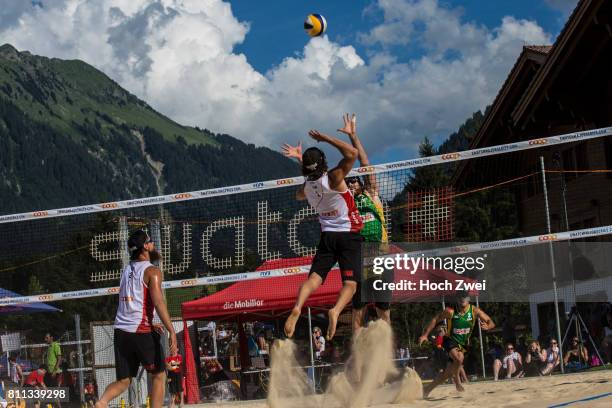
x,y
26,308
273,297
266,298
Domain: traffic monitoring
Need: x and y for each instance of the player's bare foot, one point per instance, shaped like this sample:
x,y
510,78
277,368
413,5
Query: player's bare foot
x,y
332,314
459,387
291,322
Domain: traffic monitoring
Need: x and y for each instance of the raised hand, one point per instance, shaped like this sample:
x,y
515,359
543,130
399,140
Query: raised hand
x,y
293,151
350,125
318,136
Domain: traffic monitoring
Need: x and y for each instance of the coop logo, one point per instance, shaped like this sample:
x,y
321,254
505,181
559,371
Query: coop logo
x,y
291,271
40,213
548,237
451,156
265,273
45,298
366,169
112,291
182,196
241,304
107,206
258,185
189,282
284,182
538,142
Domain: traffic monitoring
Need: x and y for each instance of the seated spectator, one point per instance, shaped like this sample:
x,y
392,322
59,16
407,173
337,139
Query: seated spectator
x,y
535,359
510,366
577,357
552,358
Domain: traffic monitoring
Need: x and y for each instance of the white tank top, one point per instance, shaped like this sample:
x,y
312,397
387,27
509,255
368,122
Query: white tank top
x,y
135,313
337,211
14,374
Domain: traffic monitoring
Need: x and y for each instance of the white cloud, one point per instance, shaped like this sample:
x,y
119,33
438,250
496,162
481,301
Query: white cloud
x,y
565,6
178,55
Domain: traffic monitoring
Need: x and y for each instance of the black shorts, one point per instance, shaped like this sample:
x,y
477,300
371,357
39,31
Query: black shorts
x,y
341,247
135,349
448,344
175,382
366,292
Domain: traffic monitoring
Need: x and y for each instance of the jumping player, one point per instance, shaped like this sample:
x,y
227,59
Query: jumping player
x,y
327,192
370,208
137,340
461,321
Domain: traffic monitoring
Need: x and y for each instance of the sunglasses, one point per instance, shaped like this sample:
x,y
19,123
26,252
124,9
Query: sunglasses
x,y
510,348
553,342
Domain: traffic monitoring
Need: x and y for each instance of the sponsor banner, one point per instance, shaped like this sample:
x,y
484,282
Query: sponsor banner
x,y
288,182
237,277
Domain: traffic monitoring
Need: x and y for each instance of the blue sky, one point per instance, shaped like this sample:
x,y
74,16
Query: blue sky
x,y
409,68
273,36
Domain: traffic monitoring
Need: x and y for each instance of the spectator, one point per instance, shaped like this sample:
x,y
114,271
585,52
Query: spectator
x,y
36,378
175,379
535,359
90,394
510,366
15,372
53,360
552,357
577,357
318,342
264,348
221,333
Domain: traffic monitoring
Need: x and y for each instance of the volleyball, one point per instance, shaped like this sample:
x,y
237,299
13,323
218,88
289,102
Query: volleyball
x,y
315,25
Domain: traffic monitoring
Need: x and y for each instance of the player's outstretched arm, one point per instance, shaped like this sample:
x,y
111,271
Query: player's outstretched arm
x,y
349,156
486,323
153,279
350,129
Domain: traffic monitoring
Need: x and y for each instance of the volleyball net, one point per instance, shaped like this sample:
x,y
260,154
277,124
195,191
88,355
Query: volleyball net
x,y
211,238
518,204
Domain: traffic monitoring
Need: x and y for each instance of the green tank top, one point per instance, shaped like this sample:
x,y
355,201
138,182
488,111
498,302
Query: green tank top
x,y
373,219
461,326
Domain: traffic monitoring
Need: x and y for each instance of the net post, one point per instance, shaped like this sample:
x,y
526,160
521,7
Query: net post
x,y
482,359
314,385
552,262
77,327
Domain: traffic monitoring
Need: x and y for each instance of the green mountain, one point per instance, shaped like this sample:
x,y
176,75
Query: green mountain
x,y
69,135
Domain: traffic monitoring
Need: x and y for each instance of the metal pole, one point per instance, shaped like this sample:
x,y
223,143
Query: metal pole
x,y
482,359
77,325
552,262
314,386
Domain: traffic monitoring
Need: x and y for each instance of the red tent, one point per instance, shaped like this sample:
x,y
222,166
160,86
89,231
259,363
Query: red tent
x,y
264,298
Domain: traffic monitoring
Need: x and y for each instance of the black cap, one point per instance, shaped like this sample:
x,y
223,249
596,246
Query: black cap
x,y
313,161
137,240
